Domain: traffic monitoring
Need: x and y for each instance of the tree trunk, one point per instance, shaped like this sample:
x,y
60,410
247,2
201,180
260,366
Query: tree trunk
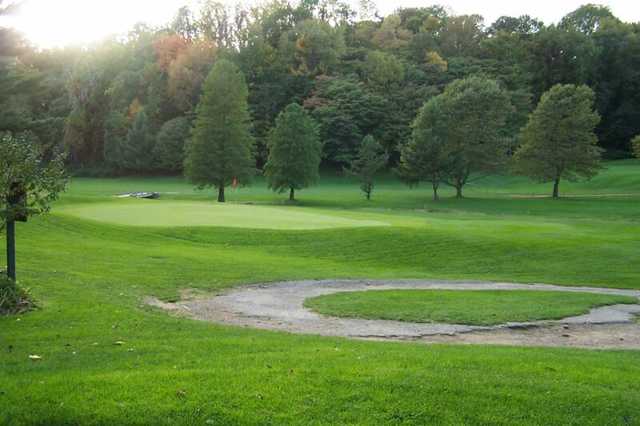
x,y
368,195
11,250
435,193
458,190
221,194
292,194
556,184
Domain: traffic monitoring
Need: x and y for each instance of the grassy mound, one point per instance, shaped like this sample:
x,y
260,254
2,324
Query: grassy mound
x,y
207,213
13,298
482,307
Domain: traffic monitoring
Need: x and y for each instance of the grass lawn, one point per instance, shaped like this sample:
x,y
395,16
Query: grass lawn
x,y
90,275
195,213
461,307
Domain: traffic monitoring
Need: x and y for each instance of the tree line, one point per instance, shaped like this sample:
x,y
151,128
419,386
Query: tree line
x,y
458,136
369,87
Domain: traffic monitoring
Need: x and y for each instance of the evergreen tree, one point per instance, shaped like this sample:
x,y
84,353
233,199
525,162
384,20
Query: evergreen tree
x,y
220,150
370,160
559,141
294,151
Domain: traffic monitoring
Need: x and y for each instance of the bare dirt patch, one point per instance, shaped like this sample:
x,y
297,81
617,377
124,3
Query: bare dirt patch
x,y
279,306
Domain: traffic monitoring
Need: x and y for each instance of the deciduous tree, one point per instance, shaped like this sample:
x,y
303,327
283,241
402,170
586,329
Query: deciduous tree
x,y
170,141
476,112
138,147
635,146
424,158
28,185
559,141
371,160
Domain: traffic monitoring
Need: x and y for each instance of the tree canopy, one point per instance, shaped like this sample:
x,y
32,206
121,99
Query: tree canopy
x,y
371,159
475,111
25,170
559,141
355,72
294,151
635,145
425,157
220,151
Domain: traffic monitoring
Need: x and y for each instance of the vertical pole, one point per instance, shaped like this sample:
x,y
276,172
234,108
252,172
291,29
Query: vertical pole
x,y
11,249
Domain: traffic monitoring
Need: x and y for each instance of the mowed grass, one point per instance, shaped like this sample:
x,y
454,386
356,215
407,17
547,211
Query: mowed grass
x,y
90,278
485,307
185,213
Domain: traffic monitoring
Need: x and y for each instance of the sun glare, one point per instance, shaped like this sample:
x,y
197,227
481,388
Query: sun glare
x,y
49,23
78,22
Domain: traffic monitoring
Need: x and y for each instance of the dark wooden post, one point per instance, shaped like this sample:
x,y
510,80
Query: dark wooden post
x,y
11,249
17,212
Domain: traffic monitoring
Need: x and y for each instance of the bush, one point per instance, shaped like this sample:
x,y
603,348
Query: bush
x,y
170,141
13,298
635,146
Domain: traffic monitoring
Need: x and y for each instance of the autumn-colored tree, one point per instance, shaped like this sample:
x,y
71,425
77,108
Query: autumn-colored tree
x,y
168,48
187,73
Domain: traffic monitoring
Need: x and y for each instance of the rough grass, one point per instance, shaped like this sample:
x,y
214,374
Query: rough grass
x,y
484,307
13,298
90,279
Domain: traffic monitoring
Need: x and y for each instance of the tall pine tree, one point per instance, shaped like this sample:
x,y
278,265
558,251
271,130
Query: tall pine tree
x,y
294,151
221,149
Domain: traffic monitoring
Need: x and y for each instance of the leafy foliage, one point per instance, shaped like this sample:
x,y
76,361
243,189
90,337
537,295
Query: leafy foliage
x,y
168,152
22,166
371,159
425,158
559,141
138,145
294,151
13,298
476,111
220,151
358,74
635,144
346,112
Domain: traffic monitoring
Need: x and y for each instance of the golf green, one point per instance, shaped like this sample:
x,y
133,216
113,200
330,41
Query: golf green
x,y
173,213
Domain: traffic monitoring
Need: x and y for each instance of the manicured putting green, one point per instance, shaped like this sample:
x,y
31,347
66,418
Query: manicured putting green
x,y
479,307
194,213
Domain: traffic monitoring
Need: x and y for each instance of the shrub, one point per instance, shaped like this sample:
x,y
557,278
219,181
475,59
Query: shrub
x,y
635,146
13,298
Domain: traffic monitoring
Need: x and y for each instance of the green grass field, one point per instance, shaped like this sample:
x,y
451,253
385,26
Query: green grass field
x,y
461,307
186,213
90,271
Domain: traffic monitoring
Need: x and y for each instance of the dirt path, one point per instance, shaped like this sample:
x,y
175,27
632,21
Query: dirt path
x,y
279,306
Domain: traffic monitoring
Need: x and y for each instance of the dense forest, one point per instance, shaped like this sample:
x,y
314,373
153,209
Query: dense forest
x,y
127,104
